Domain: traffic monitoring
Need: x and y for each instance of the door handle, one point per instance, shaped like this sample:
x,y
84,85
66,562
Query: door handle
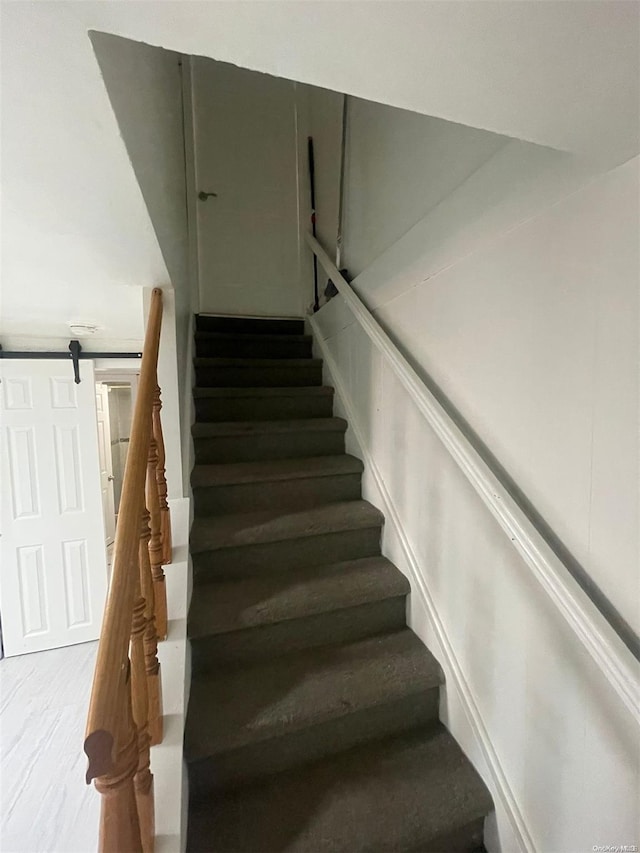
x,y
203,196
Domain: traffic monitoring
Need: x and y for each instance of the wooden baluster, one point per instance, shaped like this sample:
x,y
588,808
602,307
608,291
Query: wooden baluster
x,y
143,780
150,637
119,824
165,514
155,544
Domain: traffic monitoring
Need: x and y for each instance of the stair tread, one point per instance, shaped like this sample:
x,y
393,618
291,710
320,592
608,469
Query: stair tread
x,y
261,391
251,336
224,428
253,528
309,660
252,325
227,606
252,704
271,470
222,361
396,794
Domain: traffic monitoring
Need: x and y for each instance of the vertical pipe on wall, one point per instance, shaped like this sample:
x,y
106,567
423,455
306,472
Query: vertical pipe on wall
x,y
312,185
343,148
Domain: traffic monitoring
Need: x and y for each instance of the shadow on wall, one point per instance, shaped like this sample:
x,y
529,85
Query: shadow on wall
x,y
399,165
144,86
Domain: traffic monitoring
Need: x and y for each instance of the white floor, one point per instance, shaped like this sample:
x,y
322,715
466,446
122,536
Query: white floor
x,y
45,805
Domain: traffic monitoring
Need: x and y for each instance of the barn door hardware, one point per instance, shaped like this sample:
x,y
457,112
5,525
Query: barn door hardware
x,y
75,354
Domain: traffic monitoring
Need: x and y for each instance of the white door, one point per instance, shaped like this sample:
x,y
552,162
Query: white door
x,y
53,571
246,152
106,462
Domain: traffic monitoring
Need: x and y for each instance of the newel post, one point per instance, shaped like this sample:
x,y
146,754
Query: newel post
x,y
165,514
115,758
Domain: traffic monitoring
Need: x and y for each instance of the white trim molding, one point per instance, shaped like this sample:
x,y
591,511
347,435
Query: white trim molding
x,y
615,660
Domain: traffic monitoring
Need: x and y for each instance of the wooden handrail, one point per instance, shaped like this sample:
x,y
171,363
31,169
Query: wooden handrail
x,y
119,727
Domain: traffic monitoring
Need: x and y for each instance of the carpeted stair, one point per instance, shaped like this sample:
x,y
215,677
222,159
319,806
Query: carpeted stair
x,y
313,715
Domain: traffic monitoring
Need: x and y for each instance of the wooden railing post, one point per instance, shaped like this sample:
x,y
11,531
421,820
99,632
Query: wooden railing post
x,y
155,544
165,514
125,711
150,636
143,780
119,823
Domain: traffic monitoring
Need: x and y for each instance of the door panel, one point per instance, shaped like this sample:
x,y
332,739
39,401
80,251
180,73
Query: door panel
x,y
53,573
246,152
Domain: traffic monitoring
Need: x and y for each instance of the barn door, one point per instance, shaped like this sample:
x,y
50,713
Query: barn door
x,y
53,573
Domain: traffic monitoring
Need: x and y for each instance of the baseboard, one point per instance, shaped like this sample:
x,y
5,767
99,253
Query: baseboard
x,y
458,689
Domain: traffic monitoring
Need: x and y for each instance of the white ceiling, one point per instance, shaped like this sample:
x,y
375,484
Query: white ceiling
x,y
564,74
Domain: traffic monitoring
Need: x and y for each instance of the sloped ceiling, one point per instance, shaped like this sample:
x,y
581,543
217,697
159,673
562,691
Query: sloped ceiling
x,y
564,74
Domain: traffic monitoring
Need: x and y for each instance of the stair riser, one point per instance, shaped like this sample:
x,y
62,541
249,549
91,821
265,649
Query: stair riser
x,y
278,495
208,654
249,326
258,377
238,348
252,448
221,409
307,551
314,742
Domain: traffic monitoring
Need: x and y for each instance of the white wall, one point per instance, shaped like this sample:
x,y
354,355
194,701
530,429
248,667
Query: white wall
x,y
325,127
76,238
145,88
562,74
37,317
530,333
398,166
522,307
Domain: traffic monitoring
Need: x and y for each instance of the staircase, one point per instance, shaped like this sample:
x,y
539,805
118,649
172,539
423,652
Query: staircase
x,y
313,716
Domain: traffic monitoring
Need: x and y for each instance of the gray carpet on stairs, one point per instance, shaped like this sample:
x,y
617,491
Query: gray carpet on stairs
x,y
313,716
